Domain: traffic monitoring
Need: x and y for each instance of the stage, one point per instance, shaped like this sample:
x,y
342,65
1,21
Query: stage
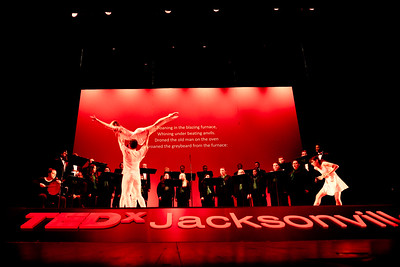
x,y
325,235
364,252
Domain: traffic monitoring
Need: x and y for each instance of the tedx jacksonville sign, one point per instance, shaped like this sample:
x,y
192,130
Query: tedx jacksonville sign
x,y
211,224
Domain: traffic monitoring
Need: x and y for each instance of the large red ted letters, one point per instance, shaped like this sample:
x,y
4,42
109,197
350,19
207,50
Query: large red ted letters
x,y
104,220
80,220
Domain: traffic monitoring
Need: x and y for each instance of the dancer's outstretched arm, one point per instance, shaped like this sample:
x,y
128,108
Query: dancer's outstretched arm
x,y
107,125
162,121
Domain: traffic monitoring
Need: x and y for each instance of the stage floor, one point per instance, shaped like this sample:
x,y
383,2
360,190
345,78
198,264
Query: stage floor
x,y
365,252
313,236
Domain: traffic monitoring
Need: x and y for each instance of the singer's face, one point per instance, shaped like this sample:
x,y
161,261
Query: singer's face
x,y
275,166
53,174
295,164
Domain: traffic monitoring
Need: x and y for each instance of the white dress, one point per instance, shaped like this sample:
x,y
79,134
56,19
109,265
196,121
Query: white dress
x,y
333,183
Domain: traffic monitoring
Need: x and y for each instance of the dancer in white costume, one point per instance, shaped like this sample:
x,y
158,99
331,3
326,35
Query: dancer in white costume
x,y
134,146
333,185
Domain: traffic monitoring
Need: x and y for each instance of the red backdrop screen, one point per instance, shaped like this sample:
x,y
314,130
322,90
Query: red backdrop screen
x,y
217,127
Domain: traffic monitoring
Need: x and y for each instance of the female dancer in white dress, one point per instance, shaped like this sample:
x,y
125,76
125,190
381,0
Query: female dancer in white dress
x,y
134,146
333,185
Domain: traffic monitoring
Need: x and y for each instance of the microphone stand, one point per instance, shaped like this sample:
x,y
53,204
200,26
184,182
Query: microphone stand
x,y
59,194
191,187
61,184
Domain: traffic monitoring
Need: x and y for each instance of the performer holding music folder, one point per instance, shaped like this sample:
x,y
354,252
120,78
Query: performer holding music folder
x,y
165,191
224,189
241,188
207,192
183,190
145,180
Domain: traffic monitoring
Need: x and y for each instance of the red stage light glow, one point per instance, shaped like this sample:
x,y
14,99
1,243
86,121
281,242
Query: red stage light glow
x,y
217,127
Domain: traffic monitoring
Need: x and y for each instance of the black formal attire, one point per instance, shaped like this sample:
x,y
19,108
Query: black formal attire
x,y
299,182
277,187
201,176
105,189
166,192
183,195
117,187
241,189
208,193
145,185
60,165
76,186
92,190
257,188
224,192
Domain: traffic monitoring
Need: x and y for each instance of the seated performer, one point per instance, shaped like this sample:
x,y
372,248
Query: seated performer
x,y
105,189
134,146
77,187
49,190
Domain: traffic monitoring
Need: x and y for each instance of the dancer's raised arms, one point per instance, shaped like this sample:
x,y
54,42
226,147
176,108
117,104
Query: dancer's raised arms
x,y
112,125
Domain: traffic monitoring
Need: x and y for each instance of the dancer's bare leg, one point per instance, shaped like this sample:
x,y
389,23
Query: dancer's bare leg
x,y
338,198
162,121
318,198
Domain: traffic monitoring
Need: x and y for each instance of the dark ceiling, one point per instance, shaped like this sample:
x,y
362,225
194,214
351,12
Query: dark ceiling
x,y
203,44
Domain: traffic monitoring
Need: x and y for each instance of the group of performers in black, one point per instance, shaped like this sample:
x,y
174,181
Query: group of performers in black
x,y
87,183
286,184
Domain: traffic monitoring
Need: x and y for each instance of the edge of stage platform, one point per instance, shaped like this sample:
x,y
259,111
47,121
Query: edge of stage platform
x,y
203,224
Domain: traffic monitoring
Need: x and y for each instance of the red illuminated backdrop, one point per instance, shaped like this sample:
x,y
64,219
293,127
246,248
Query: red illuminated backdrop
x,y
217,127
